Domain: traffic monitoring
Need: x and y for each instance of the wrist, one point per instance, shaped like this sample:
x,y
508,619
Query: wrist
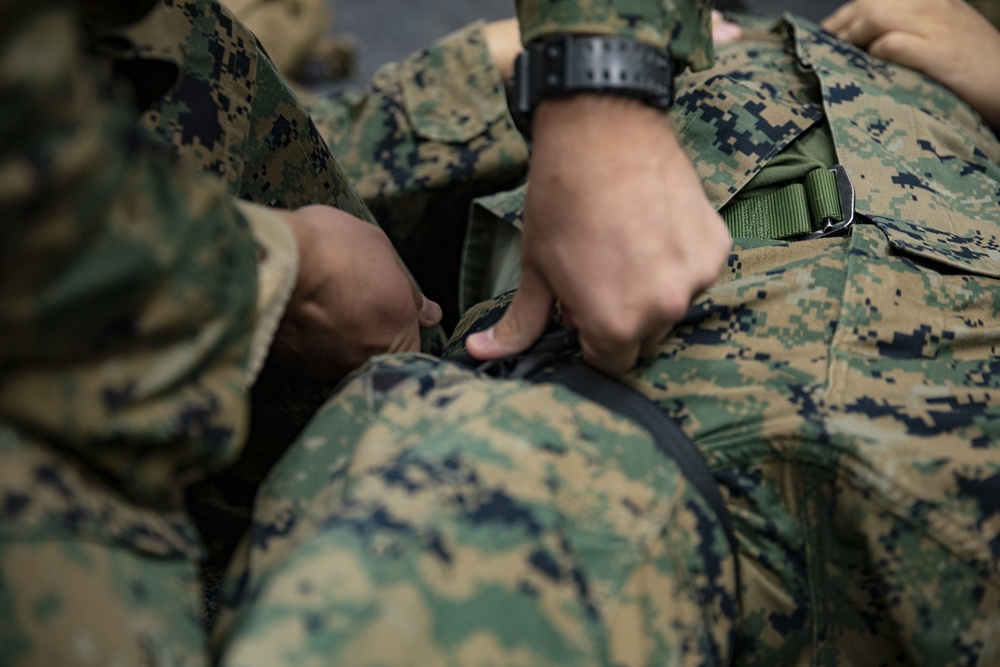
x,y
304,230
587,119
566,65
595,143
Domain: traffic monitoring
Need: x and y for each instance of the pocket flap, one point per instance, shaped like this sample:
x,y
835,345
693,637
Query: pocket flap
x,y
451,90
923,163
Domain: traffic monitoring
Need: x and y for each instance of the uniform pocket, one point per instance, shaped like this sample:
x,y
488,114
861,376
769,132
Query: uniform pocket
x,y
734,118
923,164
451,90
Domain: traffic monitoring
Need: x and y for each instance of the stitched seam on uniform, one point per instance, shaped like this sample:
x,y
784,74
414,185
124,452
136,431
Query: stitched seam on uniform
x,y
816,572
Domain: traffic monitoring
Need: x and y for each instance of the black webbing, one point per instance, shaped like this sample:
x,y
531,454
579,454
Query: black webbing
x,y
670,440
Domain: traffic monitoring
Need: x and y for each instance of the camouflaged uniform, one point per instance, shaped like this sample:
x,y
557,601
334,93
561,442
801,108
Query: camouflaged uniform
x,y
132,297
137,299
841,389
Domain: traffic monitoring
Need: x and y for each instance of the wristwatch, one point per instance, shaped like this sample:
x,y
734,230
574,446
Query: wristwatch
x,y
566,64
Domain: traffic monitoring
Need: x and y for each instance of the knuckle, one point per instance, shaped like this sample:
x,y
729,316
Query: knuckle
x,y
675,305
618,332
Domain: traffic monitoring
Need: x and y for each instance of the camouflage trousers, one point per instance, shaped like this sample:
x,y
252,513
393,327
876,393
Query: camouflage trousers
x,y
427,516
842,391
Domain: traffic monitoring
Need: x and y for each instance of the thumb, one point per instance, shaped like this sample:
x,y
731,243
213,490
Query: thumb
x,y
430,313
522,324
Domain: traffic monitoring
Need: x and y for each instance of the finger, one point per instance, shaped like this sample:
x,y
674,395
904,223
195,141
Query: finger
x,y
723,31
651,345
429,314
870,23
840,19
525,320
613,359
903,48
405,340
861,32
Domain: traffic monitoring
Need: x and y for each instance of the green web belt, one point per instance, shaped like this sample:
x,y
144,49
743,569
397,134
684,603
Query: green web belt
x,y
794,210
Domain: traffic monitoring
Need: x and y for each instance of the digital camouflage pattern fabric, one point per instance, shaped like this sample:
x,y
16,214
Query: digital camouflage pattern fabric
x,y
682,26
479,522
230,112
134,278
842,390
126,308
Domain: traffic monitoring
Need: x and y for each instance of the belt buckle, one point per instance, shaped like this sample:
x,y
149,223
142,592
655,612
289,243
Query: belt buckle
x,y
845,188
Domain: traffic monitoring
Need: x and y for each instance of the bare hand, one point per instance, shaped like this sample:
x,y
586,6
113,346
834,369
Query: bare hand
x,y
723,31
947,40
353,299
617,227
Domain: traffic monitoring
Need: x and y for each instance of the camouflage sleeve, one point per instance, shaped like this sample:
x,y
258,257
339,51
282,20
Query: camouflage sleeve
x,y
427,136
682,26
128,287
277,272
433,124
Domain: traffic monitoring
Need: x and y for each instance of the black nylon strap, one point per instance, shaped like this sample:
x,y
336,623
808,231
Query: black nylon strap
x,y
670,440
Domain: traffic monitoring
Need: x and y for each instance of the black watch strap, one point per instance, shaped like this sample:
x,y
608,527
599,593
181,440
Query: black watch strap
x,y
566,64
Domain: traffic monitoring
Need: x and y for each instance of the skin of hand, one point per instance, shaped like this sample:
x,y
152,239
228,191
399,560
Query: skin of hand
x,y
503,40
353,298
947,40
617,227
723,31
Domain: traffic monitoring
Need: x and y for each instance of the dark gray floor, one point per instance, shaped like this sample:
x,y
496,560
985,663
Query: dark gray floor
x,y
387,30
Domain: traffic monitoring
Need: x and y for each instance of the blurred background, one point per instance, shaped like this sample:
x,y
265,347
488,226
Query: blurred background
x,y
386,30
